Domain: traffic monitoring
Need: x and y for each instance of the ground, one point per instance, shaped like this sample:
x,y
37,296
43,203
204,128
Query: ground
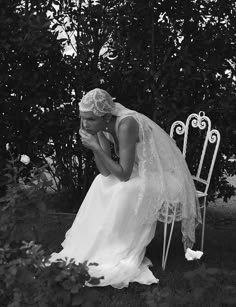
x,y
220,234
219,257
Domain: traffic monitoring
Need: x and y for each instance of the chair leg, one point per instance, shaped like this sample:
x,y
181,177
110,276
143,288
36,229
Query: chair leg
x,y
166,248
203,223
164,242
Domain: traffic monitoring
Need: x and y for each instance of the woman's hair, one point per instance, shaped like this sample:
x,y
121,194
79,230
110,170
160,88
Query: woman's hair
x,y
98,101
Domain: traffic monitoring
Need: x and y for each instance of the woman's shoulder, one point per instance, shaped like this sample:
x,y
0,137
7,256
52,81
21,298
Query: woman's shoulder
x,y
128,125
128,122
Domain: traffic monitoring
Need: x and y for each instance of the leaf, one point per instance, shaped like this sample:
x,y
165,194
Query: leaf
x,y
54,26
93,263
56,2
62,40
95,281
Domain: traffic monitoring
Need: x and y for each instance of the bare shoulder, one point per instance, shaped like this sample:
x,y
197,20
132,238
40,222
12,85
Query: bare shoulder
x,y
129,127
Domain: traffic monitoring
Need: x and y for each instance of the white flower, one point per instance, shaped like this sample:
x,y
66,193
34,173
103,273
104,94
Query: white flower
x,y
25,159
7,146
192,255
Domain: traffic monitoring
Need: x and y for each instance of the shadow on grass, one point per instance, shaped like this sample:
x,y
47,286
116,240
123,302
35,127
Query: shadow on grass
x,y
209,282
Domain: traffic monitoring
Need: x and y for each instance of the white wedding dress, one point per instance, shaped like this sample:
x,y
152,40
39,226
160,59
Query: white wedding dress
x,y
117,220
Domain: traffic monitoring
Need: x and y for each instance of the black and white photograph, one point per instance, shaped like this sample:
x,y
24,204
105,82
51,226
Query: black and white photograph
x,y
117,153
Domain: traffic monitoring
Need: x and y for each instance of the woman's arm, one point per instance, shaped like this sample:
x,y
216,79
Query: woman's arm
x,y
128,132
105,145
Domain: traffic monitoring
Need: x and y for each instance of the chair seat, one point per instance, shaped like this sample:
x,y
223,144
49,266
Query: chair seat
x,y
200,194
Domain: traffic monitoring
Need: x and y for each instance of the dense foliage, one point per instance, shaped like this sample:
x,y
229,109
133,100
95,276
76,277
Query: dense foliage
x,y
27,279
164,58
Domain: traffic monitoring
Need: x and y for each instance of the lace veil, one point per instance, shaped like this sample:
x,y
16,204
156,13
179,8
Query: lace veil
x,y
166,180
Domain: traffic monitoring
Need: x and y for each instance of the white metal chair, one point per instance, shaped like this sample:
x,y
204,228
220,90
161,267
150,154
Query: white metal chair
x,y
201,174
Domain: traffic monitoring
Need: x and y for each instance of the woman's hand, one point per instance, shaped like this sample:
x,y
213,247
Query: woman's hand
x,y
89,140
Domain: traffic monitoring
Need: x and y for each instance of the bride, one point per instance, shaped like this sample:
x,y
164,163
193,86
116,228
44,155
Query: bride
x,y
118,216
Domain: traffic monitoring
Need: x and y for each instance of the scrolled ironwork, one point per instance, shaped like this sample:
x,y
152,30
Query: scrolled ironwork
x,y
179,127
213,136
199,120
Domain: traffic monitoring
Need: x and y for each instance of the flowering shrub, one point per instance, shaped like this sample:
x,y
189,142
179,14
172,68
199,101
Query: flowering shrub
x,y
26,280
24,197
25,159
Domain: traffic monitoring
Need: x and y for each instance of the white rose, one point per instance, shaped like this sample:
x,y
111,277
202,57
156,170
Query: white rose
x,y
192,255
25,159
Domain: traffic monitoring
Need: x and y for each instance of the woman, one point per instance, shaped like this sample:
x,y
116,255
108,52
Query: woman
x,y
117,218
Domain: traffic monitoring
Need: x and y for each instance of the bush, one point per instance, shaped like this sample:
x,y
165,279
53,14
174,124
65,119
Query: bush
x,y
164,59
26,279
23,200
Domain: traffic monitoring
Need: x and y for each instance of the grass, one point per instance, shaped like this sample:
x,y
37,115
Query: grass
x,y
209,282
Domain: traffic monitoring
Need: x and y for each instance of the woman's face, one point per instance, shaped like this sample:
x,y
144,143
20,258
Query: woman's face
x,y
91,122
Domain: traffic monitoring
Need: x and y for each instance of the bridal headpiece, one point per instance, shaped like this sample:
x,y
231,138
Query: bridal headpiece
x,y
98,101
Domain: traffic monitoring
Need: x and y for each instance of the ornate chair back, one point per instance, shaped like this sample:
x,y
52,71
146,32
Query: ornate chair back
x,y
203,170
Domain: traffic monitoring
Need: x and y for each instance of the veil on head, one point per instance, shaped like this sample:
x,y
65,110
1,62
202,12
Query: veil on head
x,y
98,101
